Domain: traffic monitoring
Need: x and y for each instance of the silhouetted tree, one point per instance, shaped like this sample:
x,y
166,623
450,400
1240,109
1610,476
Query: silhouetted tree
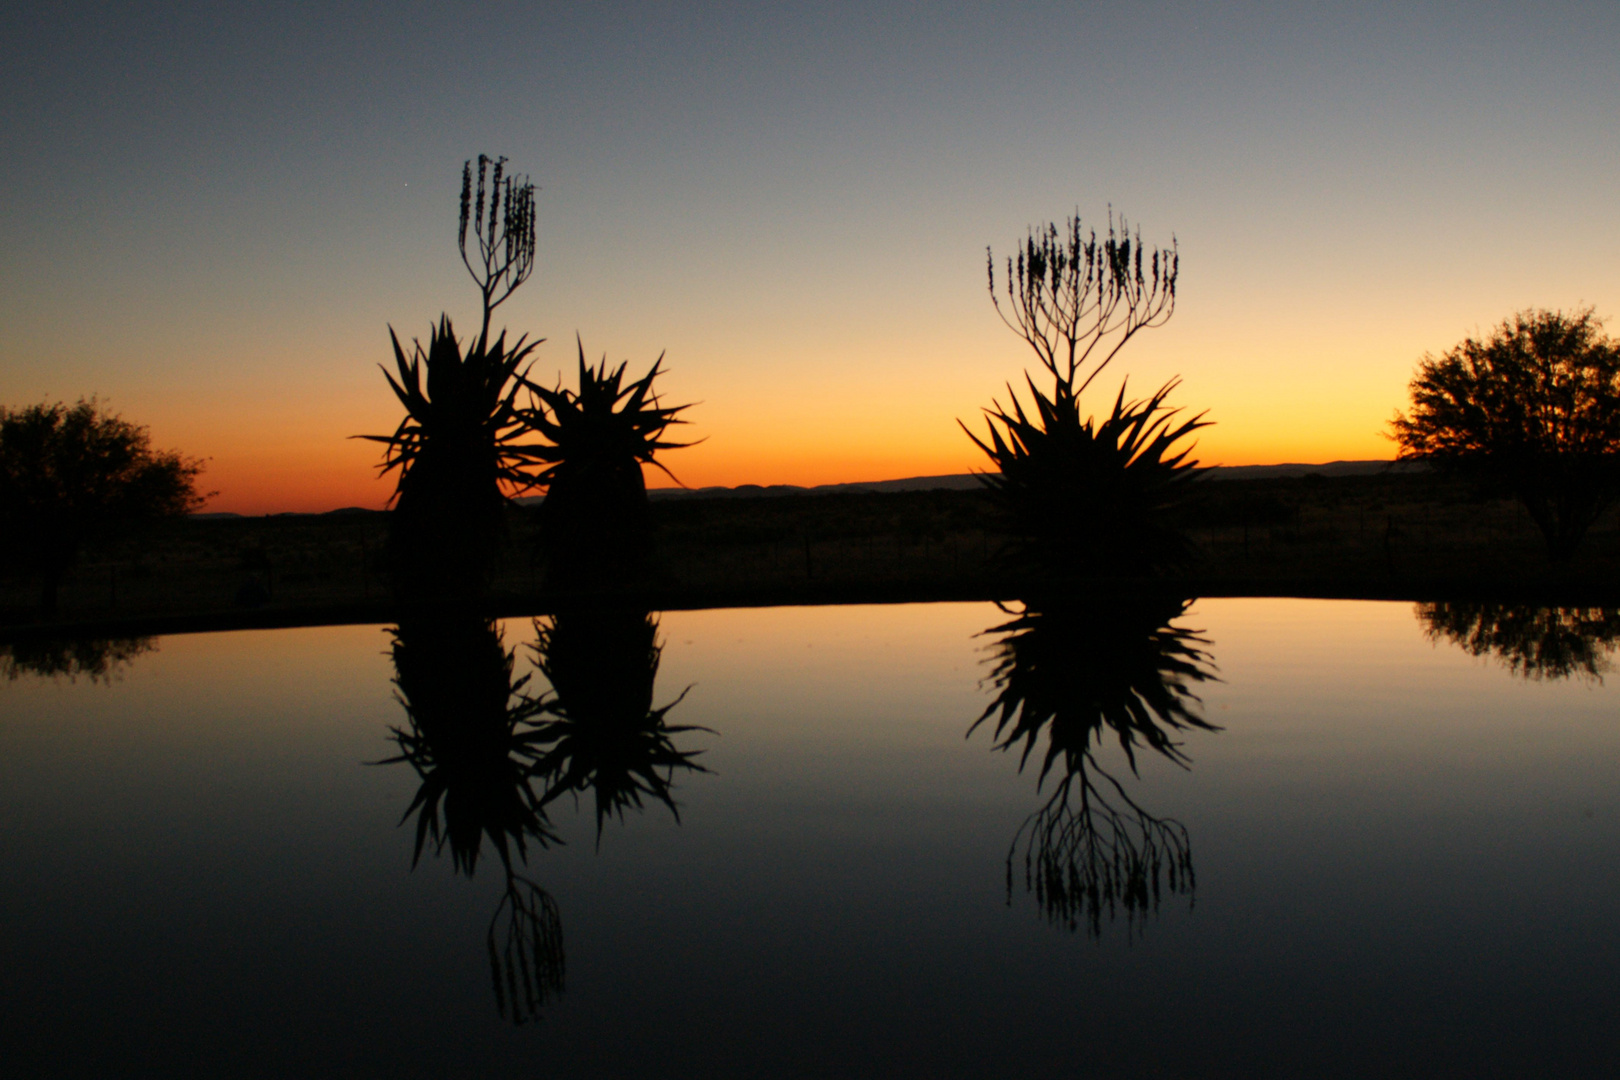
x,y
1082,494
458,450
1070,673
1535,408
69,473
1532,641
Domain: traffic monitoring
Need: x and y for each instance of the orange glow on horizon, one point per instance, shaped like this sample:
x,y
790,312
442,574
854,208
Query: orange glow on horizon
x,y
314,483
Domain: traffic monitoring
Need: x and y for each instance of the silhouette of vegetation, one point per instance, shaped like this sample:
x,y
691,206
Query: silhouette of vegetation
x,y
1092,493
595,515
603,734
458,451
473,738
491,757
459,461
503,232
1071,674
1531,641
525,943
69,474
1534,408
1078,492
98,659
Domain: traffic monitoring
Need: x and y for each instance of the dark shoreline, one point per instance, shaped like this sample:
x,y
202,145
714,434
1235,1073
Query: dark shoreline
x,y
1408,538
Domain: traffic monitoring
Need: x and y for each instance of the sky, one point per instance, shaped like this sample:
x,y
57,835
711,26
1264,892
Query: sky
x,y
210,215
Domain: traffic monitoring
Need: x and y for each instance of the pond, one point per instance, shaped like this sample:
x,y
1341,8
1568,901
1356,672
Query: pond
x,y
1356,840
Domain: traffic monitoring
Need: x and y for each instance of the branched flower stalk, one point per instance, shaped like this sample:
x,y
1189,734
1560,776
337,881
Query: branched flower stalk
x,y
1069,293
501,214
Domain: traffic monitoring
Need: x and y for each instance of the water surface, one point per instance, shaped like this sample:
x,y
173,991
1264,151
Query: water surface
x,y
1402,856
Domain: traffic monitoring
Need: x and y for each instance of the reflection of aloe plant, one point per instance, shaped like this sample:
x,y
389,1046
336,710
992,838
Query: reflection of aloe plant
x,y
1530,641
1072,673
98,659
605,736
473,740
595,513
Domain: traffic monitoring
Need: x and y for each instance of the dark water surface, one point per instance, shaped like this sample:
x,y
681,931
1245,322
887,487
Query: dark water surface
x,y
1407,857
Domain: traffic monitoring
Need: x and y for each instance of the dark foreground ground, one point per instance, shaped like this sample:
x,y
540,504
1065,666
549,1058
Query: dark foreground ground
x,y
1410,537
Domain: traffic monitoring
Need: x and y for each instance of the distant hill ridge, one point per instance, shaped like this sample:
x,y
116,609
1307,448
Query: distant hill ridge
x,y
968,481
950,482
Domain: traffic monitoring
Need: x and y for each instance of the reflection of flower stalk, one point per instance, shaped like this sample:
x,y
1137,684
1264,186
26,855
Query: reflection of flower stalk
x,y
525,942
1081,859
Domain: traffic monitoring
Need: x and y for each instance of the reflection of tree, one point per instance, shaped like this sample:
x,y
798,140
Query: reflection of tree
x,y
98,659
472,738
1534,642
603,734
1073,671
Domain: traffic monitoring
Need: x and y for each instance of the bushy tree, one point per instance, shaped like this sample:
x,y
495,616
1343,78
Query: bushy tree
x,y
1534,408
68,473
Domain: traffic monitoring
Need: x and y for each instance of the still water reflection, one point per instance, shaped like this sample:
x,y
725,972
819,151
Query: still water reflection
x,y
492,756
1408,860
1068,675
1535,642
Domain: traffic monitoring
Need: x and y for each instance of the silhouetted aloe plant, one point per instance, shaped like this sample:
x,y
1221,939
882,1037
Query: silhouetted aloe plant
x,y
1071,674
457,451
473,739
1083,495
604,735
1088,495
1531,641
595,515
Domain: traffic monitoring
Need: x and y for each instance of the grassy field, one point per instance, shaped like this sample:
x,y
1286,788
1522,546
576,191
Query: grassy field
x,y
1407,536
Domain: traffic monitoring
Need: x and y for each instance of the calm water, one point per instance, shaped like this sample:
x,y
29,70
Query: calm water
x,y
1392,857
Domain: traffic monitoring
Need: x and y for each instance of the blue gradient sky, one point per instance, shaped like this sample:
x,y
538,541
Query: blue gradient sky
x,y
209,215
